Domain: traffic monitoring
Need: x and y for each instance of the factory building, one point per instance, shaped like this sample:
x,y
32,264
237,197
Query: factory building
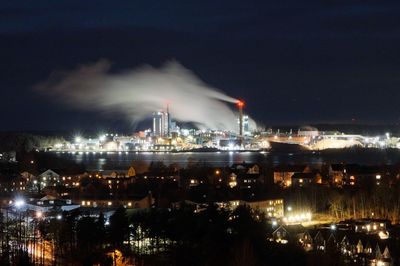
x,y
161,124
245,125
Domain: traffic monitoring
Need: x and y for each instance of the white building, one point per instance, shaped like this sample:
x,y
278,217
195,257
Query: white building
x,y
160,124
48,178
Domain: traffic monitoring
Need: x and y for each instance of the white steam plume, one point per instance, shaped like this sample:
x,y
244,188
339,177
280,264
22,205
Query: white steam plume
x,y
140,92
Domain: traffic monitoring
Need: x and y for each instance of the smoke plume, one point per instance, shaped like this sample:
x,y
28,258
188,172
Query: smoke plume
x,y
139,92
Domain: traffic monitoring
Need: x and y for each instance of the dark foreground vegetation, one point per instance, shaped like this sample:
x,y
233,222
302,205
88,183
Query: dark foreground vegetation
x,y
154,237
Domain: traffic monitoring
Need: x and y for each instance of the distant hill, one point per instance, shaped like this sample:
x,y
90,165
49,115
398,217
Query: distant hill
x,y
20,142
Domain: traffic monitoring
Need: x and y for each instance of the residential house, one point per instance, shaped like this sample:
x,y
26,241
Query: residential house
x,y
130,202
50,204
283,173
48,178
246,175
12,183
271,207
337,174
358,175
288,233
305,179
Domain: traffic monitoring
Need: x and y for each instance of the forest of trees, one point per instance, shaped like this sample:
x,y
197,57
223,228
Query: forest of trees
x,y
19,142
158,237
380,202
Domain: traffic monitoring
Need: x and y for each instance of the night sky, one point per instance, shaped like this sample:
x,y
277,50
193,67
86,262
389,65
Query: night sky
x,y
293,62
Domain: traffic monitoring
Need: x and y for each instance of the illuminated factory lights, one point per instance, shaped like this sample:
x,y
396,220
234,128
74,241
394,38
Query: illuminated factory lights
x,y
102,138
166,136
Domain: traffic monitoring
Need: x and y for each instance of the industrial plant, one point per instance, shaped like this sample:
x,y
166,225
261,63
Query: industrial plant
x,y
166,135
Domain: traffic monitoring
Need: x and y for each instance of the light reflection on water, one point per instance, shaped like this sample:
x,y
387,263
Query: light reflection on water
x,y
122,160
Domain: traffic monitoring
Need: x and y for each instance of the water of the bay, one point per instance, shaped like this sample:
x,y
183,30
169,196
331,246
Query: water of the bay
x,y
122,160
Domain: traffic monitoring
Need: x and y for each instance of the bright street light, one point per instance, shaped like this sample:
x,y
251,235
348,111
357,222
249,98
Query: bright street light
x,y
39,214
19,203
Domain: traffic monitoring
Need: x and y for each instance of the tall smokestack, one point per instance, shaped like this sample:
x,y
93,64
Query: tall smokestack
x,y
240,105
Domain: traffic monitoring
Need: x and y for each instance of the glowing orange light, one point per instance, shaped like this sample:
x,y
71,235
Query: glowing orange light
x,y
240,103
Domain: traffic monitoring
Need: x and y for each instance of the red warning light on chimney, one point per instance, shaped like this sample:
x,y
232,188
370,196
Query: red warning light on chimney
x,y
240,104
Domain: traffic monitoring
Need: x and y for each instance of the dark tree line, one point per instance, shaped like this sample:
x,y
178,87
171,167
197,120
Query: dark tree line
x,y
381,202
25,142
157,237
210,237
